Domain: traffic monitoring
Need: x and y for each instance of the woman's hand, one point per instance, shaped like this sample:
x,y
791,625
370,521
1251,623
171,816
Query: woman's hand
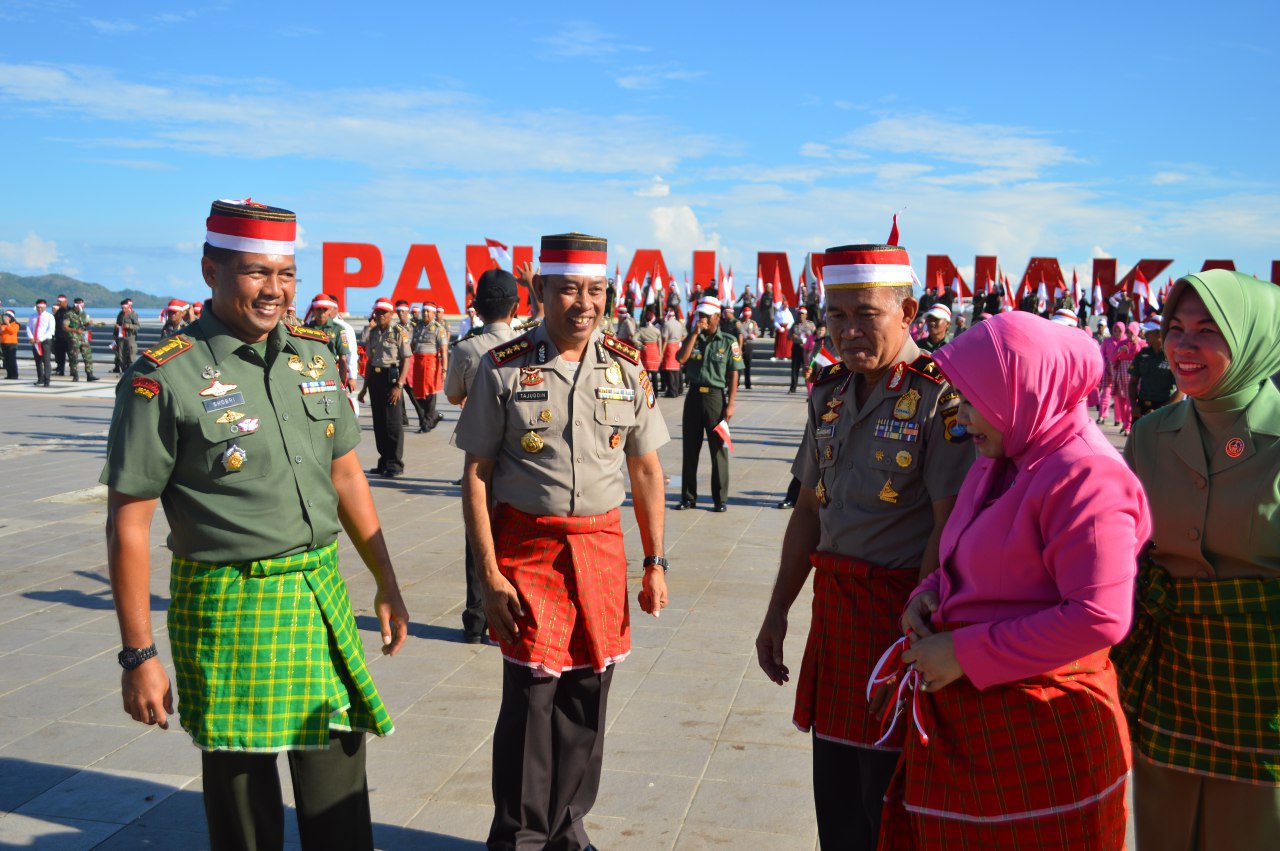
x,y
935,659
918,616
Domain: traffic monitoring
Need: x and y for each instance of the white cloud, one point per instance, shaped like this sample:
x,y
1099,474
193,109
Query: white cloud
x,y
300,241
1168,178
136,165
580,39
383,129
116,27
656,188
652,76
679,233
32,253
815,149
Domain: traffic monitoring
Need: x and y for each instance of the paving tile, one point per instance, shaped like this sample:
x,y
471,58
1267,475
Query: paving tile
x,y
639,753
641,797
711,839
785,810
137,837
21,780
64,743
702,691
106,796
53,834
453,825
655,718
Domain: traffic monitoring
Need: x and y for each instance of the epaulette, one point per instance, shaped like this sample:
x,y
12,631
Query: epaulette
x,y
626,351
925,366
830,371
476,331
527,325
168,350
306,332
510,349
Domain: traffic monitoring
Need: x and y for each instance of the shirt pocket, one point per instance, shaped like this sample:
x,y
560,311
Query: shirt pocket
x,y
533,424
827,452
323,424
895,456
616,418
219,438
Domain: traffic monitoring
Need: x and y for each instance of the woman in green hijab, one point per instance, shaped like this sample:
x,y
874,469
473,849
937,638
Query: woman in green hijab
x,y
1200,672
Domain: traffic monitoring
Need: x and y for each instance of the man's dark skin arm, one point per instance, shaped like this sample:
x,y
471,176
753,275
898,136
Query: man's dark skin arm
x,y
801,539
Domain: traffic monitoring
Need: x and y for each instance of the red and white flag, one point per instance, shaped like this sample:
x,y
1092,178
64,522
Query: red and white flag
x,y
728,285
1142,288
823,358
1097,295
499,253
1076,293
759,282
777,284
723,431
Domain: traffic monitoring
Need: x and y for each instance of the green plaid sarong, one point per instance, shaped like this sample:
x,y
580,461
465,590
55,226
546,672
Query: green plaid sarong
x,y
1200,675
267,654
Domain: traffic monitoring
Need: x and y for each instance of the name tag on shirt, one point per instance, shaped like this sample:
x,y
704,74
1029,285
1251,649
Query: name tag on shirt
x,y
616,394
223,402
826,431
531,396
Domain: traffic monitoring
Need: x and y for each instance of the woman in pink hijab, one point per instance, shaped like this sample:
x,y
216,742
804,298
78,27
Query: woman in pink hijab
x,y
1015,735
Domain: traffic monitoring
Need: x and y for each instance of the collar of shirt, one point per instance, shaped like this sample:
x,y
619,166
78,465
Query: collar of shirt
x,y
222,343
594,355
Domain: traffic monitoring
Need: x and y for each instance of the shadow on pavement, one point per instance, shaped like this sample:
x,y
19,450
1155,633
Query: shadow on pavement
x,y
82,600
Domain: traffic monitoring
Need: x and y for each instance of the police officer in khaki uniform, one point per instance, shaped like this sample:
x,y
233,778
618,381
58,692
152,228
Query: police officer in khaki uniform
x,y
385,375
879,466
497,298
430,346
552,418
711,360
239,428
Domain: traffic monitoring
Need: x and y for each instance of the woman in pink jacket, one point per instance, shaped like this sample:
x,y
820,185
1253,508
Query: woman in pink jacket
x,y
1007,642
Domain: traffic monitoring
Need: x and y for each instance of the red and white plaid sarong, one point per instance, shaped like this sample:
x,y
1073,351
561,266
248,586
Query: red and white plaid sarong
x,y
1040,763
856,606
425,375
571,576
651,357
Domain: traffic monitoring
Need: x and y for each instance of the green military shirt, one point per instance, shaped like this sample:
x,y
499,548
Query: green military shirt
x,y
337,340
1155,378
712,359
187,405
128,323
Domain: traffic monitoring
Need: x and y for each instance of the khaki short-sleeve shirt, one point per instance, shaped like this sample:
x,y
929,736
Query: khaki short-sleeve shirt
x,y
557,431
673,330
464,360
387,347
238,450
879,468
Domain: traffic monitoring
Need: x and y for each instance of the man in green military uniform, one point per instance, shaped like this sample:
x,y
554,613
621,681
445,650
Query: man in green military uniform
x,y
711,360
237,427
77,325
323,310
1151,382
127,326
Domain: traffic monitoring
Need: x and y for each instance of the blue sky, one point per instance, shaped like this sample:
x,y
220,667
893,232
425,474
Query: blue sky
x,y
1071,130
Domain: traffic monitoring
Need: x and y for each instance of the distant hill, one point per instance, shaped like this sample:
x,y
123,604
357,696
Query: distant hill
x,y
17,290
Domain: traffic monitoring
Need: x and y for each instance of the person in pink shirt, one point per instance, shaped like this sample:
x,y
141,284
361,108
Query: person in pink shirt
x,y
1130,342
1004,663
1105,385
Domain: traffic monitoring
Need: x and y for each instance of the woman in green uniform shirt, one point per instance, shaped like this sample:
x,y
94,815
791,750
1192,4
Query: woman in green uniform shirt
x,y
1199,674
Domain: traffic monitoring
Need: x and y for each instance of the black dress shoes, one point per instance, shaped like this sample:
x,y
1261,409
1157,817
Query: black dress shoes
x,y
684,504
786,503
720,508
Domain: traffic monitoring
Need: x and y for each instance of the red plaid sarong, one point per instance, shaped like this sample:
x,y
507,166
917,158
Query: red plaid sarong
x,y
1040,763
669,356
651,357
571,576
425,376
856,606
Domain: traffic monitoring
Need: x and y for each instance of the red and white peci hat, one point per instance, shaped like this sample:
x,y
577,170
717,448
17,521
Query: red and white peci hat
x,y
384,304
323,302
859,267
574,254
244,225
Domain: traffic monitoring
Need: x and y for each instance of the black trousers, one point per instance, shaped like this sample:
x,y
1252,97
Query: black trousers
x,y
243,806
474,622
797,363
61,349
548,749
388,419
849,784
702,413
44,361
11,361
746,366
793,491
672,382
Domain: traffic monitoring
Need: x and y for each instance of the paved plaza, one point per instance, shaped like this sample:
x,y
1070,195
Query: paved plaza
x,y
701,752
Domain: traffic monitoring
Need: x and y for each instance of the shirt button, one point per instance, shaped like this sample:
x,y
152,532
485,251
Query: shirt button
x,y
579,494
297,459
1193,534
839,505
310,503
579,459
1200,482
577,422
285,418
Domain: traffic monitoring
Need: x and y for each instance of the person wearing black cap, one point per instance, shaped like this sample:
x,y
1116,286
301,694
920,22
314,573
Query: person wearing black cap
x,y
127,326
61,337
497,300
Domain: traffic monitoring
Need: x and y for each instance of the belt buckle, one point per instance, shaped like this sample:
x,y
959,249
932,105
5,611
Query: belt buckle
x,y
704,389
377,369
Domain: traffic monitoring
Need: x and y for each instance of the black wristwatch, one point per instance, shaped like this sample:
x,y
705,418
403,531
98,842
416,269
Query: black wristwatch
x,y
132,657
650,561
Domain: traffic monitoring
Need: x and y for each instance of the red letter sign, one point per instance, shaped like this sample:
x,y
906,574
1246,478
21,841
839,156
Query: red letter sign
x,y
425,258
334,272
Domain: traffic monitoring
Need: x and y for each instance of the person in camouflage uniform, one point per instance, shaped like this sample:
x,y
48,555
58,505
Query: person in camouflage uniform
x,y
323,309
77,324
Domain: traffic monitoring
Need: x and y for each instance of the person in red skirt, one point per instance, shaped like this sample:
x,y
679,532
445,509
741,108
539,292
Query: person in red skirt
x,y
1015,736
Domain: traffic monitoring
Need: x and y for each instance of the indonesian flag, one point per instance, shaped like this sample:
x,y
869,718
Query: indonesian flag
x,y
499,253
723,431
1076,294
955,285
635,292
777,284
823,358
800,284
617,277
657,288
1097,295
733,296
1164,293
688,289
822,287
720,281
1142,288
1042,295
759,282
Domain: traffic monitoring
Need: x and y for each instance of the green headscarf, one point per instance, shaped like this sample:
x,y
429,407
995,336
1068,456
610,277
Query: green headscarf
x,y
1248,314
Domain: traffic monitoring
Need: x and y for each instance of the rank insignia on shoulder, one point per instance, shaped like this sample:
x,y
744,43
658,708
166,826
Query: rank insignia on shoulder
x,y
168,350
306,332
829,372
626,351
925,366
148,388
514,348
